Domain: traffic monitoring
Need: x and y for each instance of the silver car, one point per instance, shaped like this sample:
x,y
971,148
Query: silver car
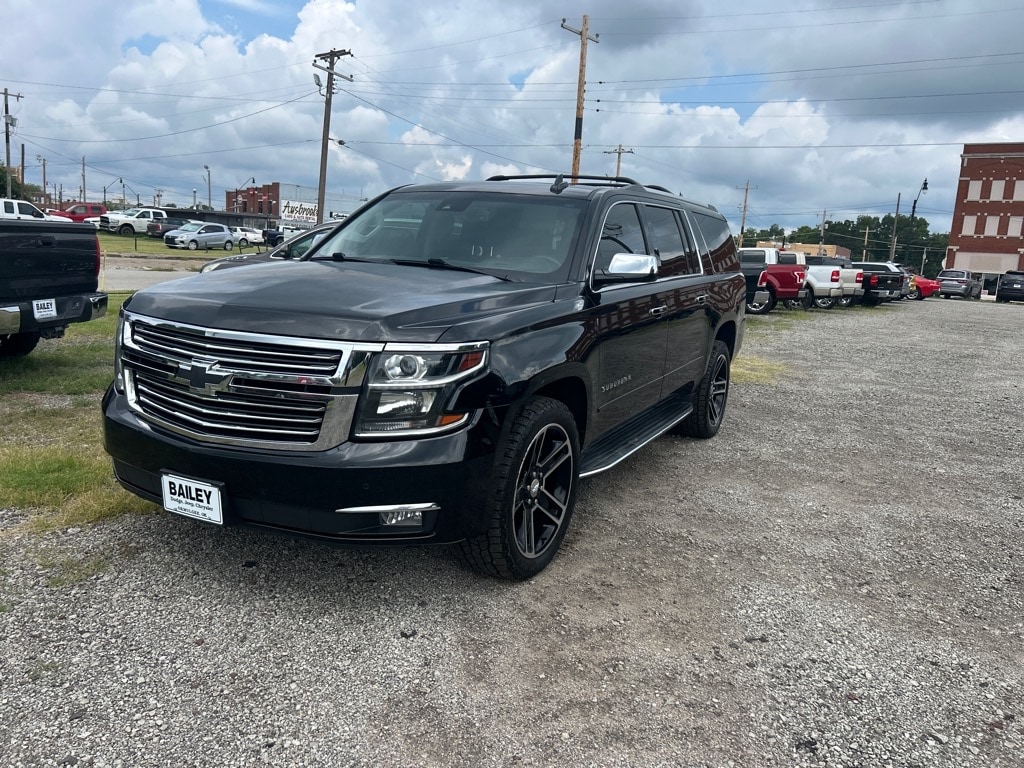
x,y
198,235
959,282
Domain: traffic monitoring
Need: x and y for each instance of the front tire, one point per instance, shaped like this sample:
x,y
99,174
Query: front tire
x,y
126,229
193,245
534,490
712,397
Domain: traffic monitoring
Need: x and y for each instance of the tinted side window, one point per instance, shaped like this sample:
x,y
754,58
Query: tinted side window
x,y
622,233
668,241
715,231
8,206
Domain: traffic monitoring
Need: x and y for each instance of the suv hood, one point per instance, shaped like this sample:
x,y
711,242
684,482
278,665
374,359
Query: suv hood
x,y
350,301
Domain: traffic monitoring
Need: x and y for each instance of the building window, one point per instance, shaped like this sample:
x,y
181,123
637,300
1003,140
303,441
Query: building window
x,y
1018,189
969,224
998,185
1014,230
974,190
991,226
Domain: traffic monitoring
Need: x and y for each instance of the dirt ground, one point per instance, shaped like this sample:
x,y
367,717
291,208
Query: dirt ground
x,y
834,580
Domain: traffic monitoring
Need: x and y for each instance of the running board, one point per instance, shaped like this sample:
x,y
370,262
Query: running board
x,y
630,437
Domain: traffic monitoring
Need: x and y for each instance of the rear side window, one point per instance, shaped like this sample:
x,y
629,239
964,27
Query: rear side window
x,y
715,231
787,258
748,256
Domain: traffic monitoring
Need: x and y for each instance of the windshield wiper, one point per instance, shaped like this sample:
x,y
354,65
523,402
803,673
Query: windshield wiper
x,y
442,264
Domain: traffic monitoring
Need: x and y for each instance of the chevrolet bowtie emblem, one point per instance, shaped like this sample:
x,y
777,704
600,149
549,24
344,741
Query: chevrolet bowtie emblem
x,y
201,378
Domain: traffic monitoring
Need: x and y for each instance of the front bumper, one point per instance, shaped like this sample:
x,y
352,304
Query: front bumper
x,y
339,495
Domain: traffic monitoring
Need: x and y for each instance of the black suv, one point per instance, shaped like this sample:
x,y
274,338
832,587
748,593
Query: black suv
x,y
1011,286
443,367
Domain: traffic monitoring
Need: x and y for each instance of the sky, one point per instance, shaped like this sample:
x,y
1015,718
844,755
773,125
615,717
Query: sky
x,y
814,109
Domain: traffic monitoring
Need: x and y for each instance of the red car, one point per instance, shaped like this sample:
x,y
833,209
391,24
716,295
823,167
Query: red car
x,y
922,287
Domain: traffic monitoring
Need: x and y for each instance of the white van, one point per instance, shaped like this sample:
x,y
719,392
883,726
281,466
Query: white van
x,y
21,209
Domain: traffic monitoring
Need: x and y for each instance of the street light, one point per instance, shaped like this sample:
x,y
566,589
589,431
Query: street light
x,y
193,198
913,211
209,197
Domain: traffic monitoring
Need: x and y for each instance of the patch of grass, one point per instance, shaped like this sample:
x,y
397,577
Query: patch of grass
x,y
52,461
67,569
755,370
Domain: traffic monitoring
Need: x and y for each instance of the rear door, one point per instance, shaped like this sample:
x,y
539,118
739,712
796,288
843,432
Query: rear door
x,y
682,289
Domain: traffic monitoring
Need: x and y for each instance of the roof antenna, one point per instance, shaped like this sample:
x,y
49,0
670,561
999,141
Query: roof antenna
x,y
559,185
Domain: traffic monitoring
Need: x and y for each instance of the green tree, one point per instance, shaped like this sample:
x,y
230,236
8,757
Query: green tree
x,y
16,190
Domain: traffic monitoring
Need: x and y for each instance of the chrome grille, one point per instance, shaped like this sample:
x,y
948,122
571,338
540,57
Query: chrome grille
x,y
246,354
240,388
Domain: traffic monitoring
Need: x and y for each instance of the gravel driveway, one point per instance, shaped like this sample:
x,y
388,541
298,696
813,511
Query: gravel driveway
x,y
835,580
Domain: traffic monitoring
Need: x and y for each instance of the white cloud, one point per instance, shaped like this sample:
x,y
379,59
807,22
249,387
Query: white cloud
x,y
702,99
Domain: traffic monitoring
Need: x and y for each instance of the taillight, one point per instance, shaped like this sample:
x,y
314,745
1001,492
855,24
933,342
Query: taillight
x,y
860,277
762,281
873,280
835,275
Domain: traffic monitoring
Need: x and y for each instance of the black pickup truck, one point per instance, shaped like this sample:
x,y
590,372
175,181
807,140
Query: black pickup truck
x,y
49,274
443,367
882,281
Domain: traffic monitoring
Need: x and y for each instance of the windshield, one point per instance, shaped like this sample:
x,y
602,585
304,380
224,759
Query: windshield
x,y
499,234
190,227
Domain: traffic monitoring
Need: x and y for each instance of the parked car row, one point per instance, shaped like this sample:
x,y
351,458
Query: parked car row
x,y
801,280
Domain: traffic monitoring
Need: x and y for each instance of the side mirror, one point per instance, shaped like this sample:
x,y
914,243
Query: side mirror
x,y
629,268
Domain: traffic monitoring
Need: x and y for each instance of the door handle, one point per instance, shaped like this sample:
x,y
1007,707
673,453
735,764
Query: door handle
x,y
702,299
658,310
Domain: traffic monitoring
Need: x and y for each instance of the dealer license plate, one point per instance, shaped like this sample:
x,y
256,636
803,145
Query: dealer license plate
x,y
192,498
44,309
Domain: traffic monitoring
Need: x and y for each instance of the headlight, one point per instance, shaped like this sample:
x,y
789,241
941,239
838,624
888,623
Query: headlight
x,y
410,388
122,329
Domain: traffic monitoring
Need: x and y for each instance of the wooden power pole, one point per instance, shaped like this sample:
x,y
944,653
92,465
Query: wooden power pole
x,y
577,141
330,58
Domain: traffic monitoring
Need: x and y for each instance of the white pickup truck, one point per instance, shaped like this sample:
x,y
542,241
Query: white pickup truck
x,y
130,222
826,273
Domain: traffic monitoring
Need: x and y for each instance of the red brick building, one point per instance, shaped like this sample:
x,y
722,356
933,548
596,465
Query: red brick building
x,y
988,217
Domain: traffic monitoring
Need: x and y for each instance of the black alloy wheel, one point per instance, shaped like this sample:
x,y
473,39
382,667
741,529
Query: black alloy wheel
x,y
712,397
535,480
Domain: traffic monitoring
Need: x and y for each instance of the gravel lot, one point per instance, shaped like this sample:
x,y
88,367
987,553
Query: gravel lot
x,y
835,580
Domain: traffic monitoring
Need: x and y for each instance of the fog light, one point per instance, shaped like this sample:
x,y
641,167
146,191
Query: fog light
x,y
411,517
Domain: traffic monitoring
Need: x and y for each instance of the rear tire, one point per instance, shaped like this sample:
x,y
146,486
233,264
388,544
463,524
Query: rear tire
x,y
761,309
825,302
712,397
533,484
18,344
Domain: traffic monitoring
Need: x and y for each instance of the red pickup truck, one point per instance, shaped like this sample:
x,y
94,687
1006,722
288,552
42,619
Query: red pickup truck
x,y
81,211
770,279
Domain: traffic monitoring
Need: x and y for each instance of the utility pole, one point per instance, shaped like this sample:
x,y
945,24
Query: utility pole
x,y
743,215
84,193
864,253
618,160
8,122
821,235
892,243
577,141
330,58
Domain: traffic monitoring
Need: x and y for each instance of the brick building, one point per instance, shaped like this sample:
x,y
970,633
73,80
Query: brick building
x,y
988,216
